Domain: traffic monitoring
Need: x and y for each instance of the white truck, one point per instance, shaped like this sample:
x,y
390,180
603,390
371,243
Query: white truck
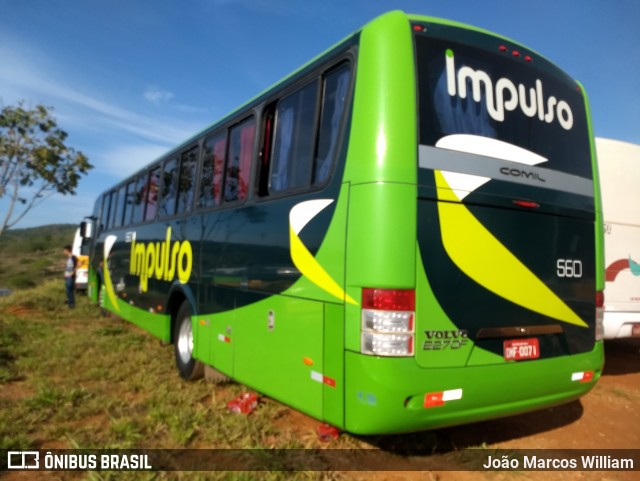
x,y
619,166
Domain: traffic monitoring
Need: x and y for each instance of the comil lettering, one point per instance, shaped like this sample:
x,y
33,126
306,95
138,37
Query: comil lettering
x,y
162,260
506,96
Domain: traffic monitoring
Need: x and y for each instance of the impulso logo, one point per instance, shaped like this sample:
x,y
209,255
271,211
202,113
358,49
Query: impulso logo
x,y
505,96
162,260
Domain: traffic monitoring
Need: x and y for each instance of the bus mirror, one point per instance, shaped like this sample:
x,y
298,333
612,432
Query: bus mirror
x,y
86,229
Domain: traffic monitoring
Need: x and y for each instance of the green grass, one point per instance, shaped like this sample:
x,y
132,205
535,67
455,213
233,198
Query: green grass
x,y
33,256
74,379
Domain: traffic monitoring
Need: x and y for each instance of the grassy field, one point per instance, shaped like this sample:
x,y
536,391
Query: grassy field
x,y
75,379
29,257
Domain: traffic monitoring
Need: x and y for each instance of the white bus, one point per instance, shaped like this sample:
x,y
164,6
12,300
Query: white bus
x,y
82,270
619,165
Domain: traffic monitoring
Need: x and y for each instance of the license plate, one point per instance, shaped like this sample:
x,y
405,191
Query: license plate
x,y
520,349
635,330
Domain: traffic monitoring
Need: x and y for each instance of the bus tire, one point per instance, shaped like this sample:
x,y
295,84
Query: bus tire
x,y
189,368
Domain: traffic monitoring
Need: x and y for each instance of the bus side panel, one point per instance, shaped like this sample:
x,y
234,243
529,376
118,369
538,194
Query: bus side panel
x,y
279,351
333,398
213,332
157,324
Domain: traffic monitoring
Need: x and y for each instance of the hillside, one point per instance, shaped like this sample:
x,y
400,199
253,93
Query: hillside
x,y
31,256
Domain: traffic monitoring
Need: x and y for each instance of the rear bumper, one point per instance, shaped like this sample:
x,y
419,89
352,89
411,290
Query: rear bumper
x,y
619,324
386,395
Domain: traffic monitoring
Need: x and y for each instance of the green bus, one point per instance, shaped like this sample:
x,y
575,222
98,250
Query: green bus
x,y
403,234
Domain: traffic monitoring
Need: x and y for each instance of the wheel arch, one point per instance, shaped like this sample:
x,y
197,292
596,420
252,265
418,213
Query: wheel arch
x,y
178,294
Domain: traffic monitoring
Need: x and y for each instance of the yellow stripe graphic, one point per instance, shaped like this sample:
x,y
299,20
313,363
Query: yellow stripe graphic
x,y
108,245
489,263
299,216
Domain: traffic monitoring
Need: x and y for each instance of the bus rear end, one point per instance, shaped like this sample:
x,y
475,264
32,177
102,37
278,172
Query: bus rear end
x,y
504,315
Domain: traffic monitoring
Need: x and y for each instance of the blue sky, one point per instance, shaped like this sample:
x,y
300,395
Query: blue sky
x,y
129,79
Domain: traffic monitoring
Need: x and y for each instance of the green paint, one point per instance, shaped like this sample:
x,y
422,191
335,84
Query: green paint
x,y
157,324
488,391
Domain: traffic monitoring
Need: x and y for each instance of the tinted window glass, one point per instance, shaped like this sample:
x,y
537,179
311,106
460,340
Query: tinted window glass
x,y
294,140
130,202
112,209
212,170
236,184
152,194
104,214
120,206
187,184
138,200
533,105
336,88
169,188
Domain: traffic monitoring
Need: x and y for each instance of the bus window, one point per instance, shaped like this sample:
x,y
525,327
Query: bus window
x,y
336,85
112,209
169,188
268,122
120,206
152,194
131,195
294,139
212,170
236,184
138,200
187,184
104,213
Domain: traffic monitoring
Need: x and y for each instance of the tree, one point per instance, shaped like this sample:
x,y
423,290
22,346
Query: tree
x,y
35,162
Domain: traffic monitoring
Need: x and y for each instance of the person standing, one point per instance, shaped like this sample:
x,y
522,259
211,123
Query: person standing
x,y
70,276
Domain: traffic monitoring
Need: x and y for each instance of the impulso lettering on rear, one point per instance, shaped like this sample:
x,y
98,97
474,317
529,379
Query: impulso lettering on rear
x,y
505,96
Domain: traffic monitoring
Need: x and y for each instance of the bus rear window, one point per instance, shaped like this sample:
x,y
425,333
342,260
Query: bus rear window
x,y
472,90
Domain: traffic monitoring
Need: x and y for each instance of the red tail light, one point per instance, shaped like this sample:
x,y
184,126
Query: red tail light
x,y
599,298
389,299
387,322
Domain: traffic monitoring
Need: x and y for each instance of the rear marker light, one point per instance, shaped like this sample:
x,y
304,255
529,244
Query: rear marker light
x,y
515,53
526,203
435,399
319,377
528,58
585,376
503,48
387,322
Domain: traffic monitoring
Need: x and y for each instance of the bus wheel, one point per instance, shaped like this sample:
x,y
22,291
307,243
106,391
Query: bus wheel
x,y
188,367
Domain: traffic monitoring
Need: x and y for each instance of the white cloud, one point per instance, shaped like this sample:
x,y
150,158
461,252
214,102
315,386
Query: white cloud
x,y
157,95
27,74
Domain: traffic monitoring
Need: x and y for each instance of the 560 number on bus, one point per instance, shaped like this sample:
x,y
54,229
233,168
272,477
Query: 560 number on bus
x,y
569,268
